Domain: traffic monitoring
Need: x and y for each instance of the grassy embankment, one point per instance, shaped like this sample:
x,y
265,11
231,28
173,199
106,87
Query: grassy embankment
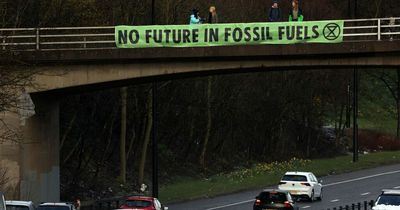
x,y
263,175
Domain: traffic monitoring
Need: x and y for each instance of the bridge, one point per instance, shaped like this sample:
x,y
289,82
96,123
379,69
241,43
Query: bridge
x,y
77,59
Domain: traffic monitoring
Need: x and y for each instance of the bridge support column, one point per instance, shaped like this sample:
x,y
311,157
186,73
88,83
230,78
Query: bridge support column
x,y
40,171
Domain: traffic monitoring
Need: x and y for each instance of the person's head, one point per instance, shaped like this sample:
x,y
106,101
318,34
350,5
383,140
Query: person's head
x,y
213,10
195,12
275,4
295,4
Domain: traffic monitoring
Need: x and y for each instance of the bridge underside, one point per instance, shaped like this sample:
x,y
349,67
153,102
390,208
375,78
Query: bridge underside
x,y
64,70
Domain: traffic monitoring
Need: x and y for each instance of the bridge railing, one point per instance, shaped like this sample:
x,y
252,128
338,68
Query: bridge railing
x,y
88,38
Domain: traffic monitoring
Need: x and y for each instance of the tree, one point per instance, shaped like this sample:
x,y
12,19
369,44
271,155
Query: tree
x,y
209,123
391,80
124,93
14,80
147,137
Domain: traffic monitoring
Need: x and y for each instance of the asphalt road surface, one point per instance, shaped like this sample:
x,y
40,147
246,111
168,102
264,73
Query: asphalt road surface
x,y
339,190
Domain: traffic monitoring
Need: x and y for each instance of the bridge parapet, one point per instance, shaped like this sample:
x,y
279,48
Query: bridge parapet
x,y
99,38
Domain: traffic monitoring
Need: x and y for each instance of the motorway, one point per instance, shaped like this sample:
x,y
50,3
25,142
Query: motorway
x,y
339,190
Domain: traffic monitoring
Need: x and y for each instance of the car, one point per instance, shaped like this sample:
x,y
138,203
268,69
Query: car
x,y
56,206
388,200
2,202
20,205
142,203
302,185
272,199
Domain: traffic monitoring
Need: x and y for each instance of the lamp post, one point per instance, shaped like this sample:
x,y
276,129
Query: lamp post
x,y
355,114
155,121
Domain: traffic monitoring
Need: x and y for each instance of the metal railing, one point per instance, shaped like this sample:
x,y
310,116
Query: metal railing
x,y
366,205
94,38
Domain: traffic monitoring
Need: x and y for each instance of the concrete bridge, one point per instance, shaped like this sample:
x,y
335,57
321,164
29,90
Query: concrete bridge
x,y
73,60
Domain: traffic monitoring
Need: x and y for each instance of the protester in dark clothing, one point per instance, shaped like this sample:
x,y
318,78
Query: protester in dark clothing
x,y
213,16
296,14
274,12
194,17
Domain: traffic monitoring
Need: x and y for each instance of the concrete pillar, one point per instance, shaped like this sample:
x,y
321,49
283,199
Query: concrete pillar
x,y
40,168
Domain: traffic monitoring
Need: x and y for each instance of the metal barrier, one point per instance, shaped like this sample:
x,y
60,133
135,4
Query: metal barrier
x,y
95,38
366,205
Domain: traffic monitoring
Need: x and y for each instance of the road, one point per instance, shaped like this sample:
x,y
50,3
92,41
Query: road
x,y
343,189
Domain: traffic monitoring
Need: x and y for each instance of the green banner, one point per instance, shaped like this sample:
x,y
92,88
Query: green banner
x,y
206,35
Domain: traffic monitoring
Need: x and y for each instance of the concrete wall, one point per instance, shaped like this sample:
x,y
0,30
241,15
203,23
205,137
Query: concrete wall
x,y
33,162
40,152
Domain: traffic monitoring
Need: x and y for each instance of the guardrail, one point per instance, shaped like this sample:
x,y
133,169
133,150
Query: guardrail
x,y
366,205
95,38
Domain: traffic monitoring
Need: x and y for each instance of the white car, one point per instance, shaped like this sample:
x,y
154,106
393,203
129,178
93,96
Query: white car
x,y
56,206
302,185
388,200
20,205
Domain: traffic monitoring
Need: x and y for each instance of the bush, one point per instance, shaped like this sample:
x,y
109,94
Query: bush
x,y
370,140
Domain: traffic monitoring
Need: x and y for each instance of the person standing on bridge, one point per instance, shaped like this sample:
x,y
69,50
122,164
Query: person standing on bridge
x,y
195,18
296,14
274,12
213,16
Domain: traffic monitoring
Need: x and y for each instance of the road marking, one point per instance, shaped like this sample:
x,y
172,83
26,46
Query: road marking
x,y
367,193
229,205
398,187
333,201
305,207
361,178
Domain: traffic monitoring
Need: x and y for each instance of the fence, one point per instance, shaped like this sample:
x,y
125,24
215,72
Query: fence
x,y
356,206
95,38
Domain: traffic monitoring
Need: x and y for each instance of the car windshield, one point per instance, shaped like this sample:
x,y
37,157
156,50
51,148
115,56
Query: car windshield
x,y
389,200
53,208
16,207
275,197
137,203
294,178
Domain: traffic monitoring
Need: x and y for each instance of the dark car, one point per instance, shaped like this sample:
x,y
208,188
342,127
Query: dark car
x,y
274,200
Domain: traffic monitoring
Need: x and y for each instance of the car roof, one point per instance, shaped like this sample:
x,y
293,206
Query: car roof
x,y
55,204
275,190
136,197
19,203
297,173
391,191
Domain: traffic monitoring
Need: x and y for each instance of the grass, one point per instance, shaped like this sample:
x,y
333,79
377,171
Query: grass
x,y
263,175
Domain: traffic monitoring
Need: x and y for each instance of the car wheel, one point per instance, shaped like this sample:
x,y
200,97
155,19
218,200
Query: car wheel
x,y
320,196
311,199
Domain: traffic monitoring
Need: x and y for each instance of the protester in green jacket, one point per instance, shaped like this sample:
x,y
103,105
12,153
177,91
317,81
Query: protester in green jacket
x,y
296,14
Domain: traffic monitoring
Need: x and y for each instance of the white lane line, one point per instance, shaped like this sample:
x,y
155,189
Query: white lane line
x,y
362,178
333,201
367,193
305,207
232,204
398,187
